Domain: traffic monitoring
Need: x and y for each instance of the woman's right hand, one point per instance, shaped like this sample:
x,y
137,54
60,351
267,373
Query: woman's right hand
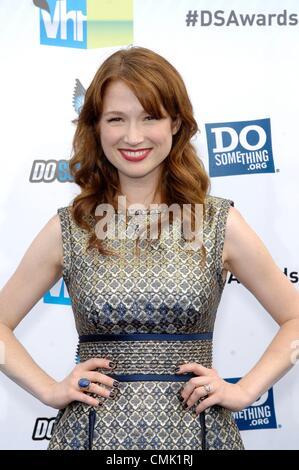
x,y
60,394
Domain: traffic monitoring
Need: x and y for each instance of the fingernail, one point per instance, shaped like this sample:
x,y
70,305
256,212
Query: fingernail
x,y
116,384
185,405
114,393
112,364
180,398
177,369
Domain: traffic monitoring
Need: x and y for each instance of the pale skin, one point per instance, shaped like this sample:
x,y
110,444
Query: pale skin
x,y
244,255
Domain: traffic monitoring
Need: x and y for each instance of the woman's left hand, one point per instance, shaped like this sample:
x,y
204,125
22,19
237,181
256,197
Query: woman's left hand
x,y
216,390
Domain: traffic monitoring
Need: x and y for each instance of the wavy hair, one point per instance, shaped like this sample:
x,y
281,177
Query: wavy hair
x,y
155,82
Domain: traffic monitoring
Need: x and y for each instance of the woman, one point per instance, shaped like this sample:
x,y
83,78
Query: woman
x,y
144,309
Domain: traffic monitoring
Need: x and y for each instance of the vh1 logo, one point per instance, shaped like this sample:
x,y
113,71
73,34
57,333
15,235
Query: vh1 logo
x,y
239,148
85,24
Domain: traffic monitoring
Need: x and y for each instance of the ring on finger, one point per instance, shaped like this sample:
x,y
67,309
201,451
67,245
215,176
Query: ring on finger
x,y
84,384
207,388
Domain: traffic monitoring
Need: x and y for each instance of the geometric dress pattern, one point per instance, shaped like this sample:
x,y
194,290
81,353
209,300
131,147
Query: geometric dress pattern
x,y
146,313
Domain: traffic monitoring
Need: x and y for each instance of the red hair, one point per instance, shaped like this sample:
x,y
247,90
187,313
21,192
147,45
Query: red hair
x,y
155,82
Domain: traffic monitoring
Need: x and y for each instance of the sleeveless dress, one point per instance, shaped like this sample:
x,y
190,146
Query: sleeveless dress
x,y
148,314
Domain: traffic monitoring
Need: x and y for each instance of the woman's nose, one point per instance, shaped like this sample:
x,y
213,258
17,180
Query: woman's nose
x,y
133,134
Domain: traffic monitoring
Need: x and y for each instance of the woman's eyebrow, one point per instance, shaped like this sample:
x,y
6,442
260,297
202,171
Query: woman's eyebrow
x,y
120,112
114,112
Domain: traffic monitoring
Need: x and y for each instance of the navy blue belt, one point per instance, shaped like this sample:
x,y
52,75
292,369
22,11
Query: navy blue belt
x,y
147,337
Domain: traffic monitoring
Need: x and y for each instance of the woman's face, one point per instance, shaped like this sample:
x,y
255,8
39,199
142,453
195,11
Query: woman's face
x,y
127,132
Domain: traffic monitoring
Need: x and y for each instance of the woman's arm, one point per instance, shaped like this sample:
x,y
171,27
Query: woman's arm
x,y
246,256
248,259
39,269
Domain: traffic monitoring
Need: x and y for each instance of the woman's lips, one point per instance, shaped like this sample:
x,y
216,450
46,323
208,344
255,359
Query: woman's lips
x,y
129,155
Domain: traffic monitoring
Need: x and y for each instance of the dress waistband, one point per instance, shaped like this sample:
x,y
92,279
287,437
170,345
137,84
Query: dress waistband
x,y
146,337
151,377
147,356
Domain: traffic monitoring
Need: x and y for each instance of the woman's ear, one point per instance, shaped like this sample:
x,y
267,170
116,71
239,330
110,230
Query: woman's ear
x,y
176,124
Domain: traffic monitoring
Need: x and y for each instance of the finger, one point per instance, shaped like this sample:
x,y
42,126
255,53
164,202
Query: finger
x,y
97,377
192,385
211,400
198,394
198,369
82,397
102,392
97,362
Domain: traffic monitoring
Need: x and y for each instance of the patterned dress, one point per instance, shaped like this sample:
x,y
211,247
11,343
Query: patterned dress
x,y
147,314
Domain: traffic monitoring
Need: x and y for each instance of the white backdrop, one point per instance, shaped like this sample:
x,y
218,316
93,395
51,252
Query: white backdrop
x,y
234,74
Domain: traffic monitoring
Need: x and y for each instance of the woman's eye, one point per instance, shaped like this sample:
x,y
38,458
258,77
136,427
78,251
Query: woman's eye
x,y
118,118
113,119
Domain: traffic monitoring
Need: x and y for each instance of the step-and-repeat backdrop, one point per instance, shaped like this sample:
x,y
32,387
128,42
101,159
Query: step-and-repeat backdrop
x,y
239,61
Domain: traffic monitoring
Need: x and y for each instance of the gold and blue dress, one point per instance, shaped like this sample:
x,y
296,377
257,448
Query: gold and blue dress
x,y
148,314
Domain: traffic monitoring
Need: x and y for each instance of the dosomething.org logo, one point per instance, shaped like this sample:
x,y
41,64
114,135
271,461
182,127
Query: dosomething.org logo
x,y
85,24
47,171
259,415
240,148
43,429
